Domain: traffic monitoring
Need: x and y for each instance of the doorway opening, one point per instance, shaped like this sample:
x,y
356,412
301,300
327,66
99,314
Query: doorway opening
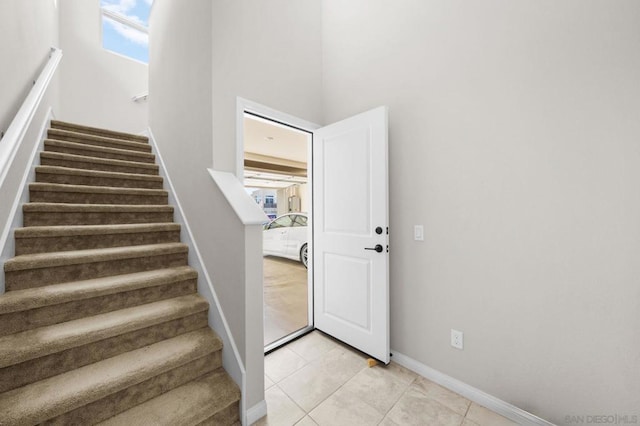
x,y
277,175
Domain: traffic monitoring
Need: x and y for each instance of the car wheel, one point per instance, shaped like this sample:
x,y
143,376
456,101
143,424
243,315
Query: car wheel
x,y
303,255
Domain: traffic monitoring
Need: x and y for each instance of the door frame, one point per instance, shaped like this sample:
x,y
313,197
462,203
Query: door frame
x,y
283,119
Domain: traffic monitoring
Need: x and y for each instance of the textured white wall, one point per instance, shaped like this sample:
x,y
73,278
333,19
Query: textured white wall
x,y
515,140
29,29
97,85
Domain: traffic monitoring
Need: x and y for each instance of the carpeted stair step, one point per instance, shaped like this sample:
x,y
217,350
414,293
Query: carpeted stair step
x,y
213,398
98,151
83,194
103,389
83,138
56,214
101,320
79,128
71,176
46,239
44,352
48,158
27,309
37,270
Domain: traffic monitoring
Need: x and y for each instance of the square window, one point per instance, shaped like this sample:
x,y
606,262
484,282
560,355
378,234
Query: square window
x,y
125,27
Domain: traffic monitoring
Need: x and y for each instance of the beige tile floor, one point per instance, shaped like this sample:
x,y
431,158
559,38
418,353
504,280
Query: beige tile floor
x,y
316,380
285,297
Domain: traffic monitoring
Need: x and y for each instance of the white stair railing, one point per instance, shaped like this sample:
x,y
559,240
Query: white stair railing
x,y
15,133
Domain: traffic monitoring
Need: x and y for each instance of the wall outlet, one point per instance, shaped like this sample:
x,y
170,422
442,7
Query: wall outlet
x,y
457,339
418,232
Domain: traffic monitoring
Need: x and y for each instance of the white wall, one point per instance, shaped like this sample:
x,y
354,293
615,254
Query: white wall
x,y
240,46
515,140
26,39
97,85
267,52
29,29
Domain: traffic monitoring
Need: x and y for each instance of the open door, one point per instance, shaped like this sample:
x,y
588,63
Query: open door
x,y
351,219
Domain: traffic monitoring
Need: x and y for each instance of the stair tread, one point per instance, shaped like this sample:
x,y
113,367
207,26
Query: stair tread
x,y
191,403
70,207
39,342
36,402
62,187
95,148
33,298
82,127
58,170
96,160
76,257
69,230
142,146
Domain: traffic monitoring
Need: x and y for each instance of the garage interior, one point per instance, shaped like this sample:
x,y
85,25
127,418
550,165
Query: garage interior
x,y
275,175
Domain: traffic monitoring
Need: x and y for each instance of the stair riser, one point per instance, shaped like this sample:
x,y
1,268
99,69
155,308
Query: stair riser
x,y
94,218
227,416
97,181
37,196
88,165
48,366
107,144
84,242
16,322
125,156
99,132
137,394
31,278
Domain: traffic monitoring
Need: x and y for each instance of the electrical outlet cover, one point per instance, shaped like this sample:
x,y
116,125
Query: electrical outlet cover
x,y
457,339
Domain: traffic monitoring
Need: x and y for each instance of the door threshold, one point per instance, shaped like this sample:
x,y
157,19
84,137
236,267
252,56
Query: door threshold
x,y
288,339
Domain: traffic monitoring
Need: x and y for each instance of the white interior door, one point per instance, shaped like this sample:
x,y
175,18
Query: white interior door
x,y
351,219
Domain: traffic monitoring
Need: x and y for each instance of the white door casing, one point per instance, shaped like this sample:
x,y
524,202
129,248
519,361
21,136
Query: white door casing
x,y
350,187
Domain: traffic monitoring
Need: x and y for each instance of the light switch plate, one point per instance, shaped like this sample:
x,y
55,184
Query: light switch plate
x,y
418,232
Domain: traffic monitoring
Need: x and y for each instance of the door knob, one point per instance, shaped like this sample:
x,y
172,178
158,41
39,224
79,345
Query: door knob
x,y
377,248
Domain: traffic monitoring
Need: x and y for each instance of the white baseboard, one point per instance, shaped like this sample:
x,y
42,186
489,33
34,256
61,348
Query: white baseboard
x,y
494,404
256,412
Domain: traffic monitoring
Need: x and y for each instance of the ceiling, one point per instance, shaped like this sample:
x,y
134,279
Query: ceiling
x,y
271,139
275,155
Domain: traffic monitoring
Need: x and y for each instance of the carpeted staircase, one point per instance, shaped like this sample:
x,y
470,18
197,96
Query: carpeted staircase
x,y
101,321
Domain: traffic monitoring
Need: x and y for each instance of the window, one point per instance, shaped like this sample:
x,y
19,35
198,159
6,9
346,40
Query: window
x,y
300,221
283,222
125,27
270,202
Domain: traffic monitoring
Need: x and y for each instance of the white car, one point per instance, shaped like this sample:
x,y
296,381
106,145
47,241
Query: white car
x,y
287,236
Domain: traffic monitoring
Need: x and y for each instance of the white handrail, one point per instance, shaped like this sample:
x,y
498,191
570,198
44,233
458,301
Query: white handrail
x,y
18,127
141,97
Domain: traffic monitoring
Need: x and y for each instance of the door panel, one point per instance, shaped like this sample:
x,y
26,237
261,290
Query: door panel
x,y
351,201
343,154
339,300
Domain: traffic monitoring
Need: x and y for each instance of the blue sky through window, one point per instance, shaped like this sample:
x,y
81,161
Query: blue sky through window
x,y
121,38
